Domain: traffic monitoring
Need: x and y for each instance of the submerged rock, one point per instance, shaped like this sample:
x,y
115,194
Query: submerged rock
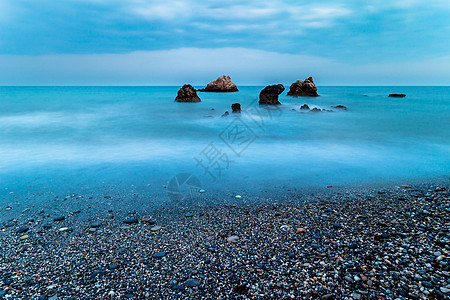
x,y
225,114
303,88
397,95
223,84
269,95
187,94
236,107
304,107
341,107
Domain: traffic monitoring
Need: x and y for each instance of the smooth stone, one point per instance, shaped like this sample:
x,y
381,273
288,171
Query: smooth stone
x,y
233,239
159,254
113,267
131,221
24,237
63,229
191,282
125,227
202,191
238,196
22,229
59,219
156,228
300,230
327,297
189,215
178,288
95,225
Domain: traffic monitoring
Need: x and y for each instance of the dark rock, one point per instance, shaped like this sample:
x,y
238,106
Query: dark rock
x,y
225,114
236,108
189,215
59,219
131,221
269,95
159,254
22,229
191,282
241,289
341,107
304,107
95,225
327,297
303,88
187,94
397,95
223,84
315,109
178,288
113,267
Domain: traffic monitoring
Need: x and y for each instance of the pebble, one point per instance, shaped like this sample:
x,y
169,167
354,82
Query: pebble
x,y
156,228
131,221
59,219
64,229
202,191
238,196
24,237
189,215
300,230
159,254
191,282
233,239
22,229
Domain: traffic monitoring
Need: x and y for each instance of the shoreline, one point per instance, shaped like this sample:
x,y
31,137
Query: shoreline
x,y
357,243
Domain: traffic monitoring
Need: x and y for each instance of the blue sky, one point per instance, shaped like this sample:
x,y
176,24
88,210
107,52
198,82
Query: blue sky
x,y
345,42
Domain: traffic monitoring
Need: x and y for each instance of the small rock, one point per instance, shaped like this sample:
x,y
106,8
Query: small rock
x,y
191,282
233,239
159,254
131,221
24,237
156,228
397,95
22,229
236,108
304,107
300,230
59,219
241,289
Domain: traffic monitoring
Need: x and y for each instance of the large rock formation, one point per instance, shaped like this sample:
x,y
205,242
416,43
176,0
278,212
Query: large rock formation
x,y
303,88
223,84
187,94
269,95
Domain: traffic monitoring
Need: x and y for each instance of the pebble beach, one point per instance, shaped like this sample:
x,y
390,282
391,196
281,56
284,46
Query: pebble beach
x,y
390,243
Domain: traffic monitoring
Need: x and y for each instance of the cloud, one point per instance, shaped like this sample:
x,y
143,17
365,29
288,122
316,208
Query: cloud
x,y
198,66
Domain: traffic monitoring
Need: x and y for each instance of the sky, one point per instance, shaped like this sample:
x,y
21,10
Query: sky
x,y
256,42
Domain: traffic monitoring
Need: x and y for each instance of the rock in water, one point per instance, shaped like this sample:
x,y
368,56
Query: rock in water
x,y
236,107
397,95
304,107
191,282
269,95
131,221
223,84
187,94
303,88
341,107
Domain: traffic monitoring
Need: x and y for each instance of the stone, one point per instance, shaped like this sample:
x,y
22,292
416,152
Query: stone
x,y
59,219
241,289
300,230
315,109
236,108
191,282
131,221
341,107
156,228
304,107
225,114
24,237
303,88
269,95
397,95
22,229
223,84
159,254
187,94
327,297
233,239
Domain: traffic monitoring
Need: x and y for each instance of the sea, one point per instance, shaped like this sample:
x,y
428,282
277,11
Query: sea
x,y
63,141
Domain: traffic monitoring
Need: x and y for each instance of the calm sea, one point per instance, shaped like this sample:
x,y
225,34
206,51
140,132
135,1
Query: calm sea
x,y
92,136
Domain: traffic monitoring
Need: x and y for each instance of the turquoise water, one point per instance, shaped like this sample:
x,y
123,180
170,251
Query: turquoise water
x,y
140,135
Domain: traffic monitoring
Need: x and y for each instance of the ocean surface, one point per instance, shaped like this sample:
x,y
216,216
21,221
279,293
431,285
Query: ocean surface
x,y
63,139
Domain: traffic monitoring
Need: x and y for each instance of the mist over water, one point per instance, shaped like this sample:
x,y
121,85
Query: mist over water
x,y
128,135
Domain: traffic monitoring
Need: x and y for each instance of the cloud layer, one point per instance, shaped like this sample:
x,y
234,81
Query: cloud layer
x,y
350,32
200,65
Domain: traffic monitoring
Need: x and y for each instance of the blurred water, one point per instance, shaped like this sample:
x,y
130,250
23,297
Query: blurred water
x,y
140,133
